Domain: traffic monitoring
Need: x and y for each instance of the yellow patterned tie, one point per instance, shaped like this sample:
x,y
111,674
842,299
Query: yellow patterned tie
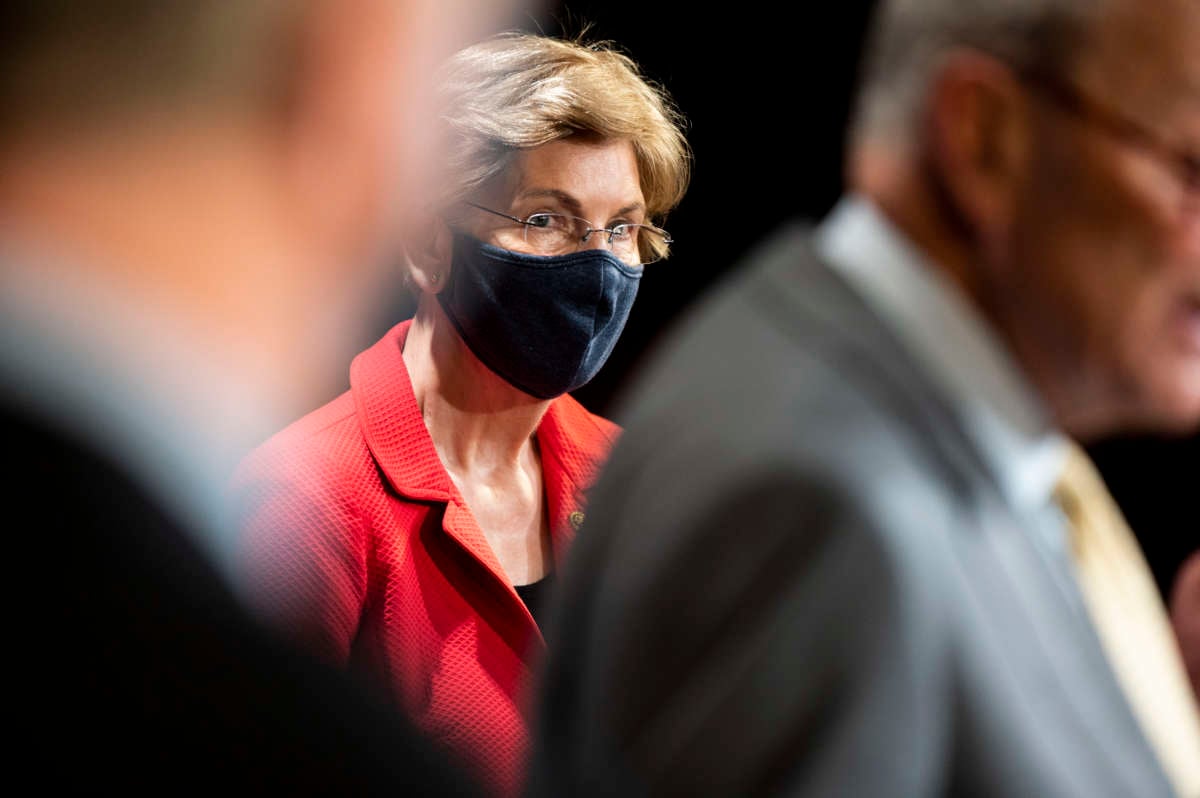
x,y
1128,613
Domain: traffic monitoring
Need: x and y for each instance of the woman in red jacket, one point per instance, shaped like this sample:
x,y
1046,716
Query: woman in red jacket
x,y
409,528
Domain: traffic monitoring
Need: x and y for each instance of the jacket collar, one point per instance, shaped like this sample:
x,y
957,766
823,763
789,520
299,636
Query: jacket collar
x,y
574,445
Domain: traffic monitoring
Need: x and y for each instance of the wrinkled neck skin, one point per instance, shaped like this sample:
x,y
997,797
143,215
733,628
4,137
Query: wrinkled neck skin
x,y
479,423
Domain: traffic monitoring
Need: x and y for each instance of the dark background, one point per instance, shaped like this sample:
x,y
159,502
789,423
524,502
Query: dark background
x,y
766,92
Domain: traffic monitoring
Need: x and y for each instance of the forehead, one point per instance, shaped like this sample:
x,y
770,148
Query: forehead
x,y
590,170
1146,51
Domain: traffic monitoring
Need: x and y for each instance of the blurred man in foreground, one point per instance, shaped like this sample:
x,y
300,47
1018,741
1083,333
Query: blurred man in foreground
x,y
849,543
182,185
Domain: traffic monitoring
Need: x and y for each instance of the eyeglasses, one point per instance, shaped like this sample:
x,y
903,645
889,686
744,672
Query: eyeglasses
x,y
1182,163
560,233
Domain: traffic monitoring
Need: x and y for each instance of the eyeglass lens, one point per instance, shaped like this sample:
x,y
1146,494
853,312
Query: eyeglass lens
x,y
553,233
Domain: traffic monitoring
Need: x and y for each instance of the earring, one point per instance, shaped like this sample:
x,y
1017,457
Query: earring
x,y
435,278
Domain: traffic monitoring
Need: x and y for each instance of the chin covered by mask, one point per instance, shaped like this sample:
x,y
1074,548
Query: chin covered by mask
x,y
545,324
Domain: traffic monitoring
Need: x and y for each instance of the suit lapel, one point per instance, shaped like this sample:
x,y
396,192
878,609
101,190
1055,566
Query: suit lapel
x,y
396,435
838,326
574,446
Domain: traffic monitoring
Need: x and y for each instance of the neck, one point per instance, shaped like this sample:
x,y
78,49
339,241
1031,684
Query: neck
x,y
912,203
986,276
476,419
911,200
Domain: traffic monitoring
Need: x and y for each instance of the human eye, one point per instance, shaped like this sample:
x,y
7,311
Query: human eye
x,y
624,231
549,233
555,222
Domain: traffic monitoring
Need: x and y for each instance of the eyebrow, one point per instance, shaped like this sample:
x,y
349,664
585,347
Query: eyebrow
x,y
572,204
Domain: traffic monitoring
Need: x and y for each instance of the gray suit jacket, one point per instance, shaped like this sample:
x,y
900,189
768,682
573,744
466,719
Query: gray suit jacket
x,y
797,577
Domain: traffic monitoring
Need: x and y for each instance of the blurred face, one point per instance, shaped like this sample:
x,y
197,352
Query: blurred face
x,y
1104,280
395,115
596,181
368,154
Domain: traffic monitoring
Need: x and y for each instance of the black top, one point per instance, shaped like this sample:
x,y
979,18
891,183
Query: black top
x,y
535,596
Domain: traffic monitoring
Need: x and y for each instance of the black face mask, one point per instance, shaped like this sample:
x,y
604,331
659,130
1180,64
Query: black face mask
x,y
545,324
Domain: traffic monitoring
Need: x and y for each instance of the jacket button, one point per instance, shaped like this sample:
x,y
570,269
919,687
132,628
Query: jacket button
x,y
576,519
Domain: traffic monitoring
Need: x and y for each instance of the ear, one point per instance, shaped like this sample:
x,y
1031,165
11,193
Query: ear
x,y
428,254
977,127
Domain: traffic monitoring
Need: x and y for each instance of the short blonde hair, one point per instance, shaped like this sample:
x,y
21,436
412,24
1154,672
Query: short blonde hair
x,y
516,91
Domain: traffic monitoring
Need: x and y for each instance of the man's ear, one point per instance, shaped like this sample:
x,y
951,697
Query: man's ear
x,y
428,254
978,133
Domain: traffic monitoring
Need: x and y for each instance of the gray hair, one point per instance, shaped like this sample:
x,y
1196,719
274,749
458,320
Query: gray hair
x,y
908,38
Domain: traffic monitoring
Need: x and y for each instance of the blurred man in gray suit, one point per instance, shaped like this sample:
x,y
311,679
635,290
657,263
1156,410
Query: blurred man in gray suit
x,y
850,543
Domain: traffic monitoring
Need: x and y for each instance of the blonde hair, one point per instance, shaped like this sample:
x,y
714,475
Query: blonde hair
x,y
515,91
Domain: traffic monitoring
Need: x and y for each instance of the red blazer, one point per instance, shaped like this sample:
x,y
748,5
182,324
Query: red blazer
x,y
357,542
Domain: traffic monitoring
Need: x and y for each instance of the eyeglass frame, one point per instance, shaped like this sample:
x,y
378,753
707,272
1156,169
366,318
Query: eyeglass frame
x,y
1181,161
612,231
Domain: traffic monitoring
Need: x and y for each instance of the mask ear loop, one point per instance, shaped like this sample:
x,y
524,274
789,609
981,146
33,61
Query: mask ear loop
x,y
426,260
